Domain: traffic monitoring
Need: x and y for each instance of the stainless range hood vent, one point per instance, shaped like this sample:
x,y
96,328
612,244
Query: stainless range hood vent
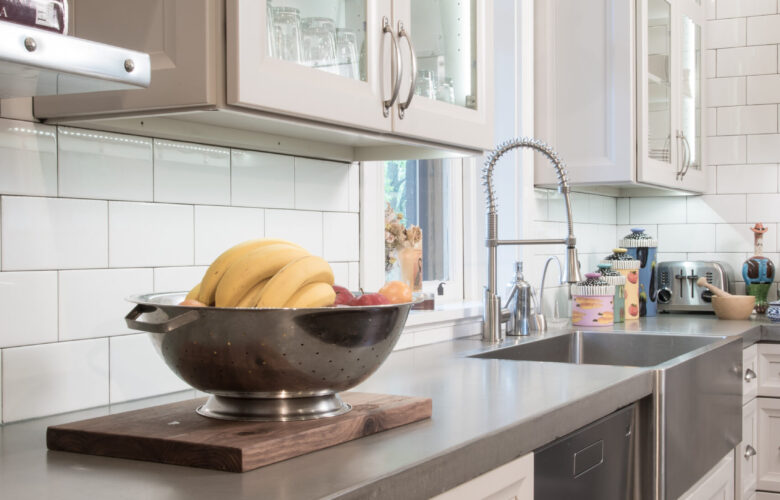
x,y
34,62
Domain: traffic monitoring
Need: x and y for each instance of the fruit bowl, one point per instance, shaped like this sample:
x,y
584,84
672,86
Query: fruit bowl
x,y
269,364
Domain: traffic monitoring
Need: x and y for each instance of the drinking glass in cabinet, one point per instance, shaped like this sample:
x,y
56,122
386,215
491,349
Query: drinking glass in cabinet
x,y
327,35
425,85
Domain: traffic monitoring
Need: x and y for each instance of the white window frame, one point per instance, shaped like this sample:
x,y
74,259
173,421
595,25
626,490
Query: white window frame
x,y
463,184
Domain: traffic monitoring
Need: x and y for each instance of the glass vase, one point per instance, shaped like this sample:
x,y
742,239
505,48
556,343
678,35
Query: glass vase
x,y
411,267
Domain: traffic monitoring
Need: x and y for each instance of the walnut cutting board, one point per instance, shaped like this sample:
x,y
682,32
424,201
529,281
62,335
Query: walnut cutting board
x,y
175,434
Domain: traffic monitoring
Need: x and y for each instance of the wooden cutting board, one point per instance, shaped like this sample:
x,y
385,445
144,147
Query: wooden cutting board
x,y
175,434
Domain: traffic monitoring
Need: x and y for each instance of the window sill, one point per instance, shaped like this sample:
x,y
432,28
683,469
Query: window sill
x,y
447,322
446,312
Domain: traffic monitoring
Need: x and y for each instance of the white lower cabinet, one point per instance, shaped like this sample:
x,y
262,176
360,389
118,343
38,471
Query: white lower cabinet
x,y
747,453
768,443
512,481
717,484
765,495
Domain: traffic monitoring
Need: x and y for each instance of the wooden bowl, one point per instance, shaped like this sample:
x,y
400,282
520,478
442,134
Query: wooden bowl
x,y
734,307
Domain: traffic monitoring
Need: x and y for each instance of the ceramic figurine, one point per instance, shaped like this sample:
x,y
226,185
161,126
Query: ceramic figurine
x,y
758,271
619,281
592,302
628,267
642,247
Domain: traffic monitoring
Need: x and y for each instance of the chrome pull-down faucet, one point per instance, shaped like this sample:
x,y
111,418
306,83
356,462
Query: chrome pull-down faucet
x,y
492,314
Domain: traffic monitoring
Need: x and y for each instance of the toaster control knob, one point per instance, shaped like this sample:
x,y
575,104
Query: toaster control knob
x,y
706,296
664,295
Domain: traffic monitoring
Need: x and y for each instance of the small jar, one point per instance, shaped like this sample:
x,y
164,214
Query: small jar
x,y
773,311
619,281
626,265
593,302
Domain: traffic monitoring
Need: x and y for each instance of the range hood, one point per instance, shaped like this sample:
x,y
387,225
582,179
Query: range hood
x,y
35,62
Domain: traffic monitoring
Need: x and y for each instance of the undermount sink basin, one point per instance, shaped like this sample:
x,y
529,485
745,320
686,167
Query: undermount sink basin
x,y
600,348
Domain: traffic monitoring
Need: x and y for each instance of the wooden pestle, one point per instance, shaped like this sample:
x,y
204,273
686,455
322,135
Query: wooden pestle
x,y
717,291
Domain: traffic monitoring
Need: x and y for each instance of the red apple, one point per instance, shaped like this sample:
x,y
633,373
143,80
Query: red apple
x,y
343,296
369,299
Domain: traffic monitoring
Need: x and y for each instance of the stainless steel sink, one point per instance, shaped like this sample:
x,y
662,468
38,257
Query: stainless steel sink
x,y
693,417
598,348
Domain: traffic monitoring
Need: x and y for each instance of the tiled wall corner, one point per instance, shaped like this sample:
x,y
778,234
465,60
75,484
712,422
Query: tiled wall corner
x,y
89,218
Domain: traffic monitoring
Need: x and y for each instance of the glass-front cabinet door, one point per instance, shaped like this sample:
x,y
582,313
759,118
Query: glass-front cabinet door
x,y
330,60
669,85
446,51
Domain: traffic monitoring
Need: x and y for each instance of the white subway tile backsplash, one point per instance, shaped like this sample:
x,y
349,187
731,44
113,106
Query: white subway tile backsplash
x,y
150,235
712,122
54,378
51,233
739,238
28,158
763,148
342,237
657,210
603,209
712,63
736,120
763,208
340,273
727,150
354,187
716,208
219,228
556,208
594,238
747,178
763,30
580,207
726,91
671,256
354,275
104,165
540,204
191,173
686,237
321,185
177,279
262,179
623,210
744,8
138,371
726,33
709,9
92,303
740,61
763,89
301,227
29,308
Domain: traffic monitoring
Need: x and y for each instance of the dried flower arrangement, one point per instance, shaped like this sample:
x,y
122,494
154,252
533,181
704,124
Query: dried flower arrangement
x,y
398,237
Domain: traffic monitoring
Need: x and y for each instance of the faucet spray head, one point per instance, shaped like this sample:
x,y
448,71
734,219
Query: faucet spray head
x,y
572,266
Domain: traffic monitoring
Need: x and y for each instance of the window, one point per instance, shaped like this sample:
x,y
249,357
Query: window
x,y
428,193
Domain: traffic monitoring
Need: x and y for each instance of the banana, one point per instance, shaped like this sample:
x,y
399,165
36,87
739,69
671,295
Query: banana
x,y
293,276
313,295
193,295
217,269
254,267
253,295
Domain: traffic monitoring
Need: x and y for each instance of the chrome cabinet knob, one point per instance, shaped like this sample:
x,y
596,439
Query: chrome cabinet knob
x,y
129,65
749,375
30,44
749,452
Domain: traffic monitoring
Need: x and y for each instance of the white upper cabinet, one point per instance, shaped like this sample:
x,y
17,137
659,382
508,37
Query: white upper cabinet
x,y
340,79
620,92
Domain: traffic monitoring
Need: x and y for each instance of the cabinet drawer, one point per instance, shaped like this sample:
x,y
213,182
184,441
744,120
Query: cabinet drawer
x,y
769,370
749,373
747,452
764,495
768,444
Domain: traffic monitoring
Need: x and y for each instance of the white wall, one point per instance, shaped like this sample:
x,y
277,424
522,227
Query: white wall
x,y
88,218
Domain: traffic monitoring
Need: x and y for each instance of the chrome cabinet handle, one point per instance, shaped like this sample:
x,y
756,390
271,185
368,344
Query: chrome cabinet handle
x,y
680,165
749,452
750,375
397,67
687,163
402,106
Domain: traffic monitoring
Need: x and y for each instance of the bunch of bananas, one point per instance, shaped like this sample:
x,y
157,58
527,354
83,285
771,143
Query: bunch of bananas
x,y
266,273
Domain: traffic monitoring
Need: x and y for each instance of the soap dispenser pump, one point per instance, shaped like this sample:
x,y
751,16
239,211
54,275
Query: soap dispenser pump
x,y
522,305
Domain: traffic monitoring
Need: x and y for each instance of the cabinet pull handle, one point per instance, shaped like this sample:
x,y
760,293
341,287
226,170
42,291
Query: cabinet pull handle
x,y
749,452
687,164
749,375
680,165
396,65
402,106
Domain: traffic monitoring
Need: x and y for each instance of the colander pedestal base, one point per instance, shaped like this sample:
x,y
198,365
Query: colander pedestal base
x,y
273,409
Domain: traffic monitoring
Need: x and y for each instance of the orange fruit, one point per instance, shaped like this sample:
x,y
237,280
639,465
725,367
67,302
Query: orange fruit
x,y
397,292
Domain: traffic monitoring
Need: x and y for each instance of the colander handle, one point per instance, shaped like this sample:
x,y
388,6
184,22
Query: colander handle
x,y
164,327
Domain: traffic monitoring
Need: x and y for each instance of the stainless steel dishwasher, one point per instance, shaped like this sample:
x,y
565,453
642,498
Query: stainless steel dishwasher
x,y
594,462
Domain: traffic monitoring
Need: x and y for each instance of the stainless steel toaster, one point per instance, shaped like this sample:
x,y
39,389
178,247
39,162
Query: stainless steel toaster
x,y
677,288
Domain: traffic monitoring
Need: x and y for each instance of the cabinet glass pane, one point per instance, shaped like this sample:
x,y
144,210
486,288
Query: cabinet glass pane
x,y
659,84
444,37
690,91
329,35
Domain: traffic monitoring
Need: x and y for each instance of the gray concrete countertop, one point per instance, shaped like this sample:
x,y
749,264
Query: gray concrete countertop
x,y
486,412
